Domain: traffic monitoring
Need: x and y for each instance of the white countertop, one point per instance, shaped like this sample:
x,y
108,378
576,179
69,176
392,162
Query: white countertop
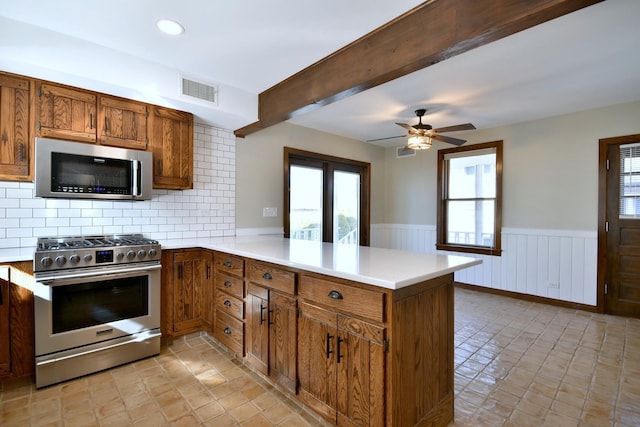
x,y
388,268
16,254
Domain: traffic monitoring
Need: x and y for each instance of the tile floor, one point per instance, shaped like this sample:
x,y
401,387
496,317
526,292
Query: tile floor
x,y
517,364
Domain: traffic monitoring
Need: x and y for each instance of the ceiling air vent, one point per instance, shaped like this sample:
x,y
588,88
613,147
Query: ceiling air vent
x,y
404,151
199,90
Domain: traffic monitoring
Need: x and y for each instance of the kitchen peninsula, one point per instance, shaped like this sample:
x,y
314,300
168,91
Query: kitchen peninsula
x,y
363,336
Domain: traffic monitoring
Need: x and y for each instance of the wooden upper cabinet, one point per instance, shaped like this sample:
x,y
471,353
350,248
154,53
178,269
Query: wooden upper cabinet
x,y
122,123
65,113
15,145
171,138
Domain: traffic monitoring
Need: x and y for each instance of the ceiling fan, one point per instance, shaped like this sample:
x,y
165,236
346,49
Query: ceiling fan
x,y
420,135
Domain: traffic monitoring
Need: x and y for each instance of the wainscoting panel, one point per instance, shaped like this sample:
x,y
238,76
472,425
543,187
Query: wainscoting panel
x,y
558,264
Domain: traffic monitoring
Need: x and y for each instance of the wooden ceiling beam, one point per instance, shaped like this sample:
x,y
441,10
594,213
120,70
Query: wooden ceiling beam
x,y
429,33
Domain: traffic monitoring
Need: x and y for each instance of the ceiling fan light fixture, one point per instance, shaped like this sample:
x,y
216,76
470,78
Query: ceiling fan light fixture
x,y
419,142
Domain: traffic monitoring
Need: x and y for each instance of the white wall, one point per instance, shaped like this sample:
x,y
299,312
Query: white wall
x,y
260,162
207,210
550,203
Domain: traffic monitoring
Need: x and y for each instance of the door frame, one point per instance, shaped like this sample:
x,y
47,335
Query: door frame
x,y
604,144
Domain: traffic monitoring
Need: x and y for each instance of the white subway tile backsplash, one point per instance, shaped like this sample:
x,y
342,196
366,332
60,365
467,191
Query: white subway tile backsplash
x,y
207,210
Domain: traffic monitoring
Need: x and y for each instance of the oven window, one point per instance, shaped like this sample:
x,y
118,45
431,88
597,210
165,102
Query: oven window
x,y
95,303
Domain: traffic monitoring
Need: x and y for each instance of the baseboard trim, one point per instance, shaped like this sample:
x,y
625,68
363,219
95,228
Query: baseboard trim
x,y
528,297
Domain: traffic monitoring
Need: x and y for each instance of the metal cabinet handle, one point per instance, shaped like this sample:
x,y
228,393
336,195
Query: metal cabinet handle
x,y
335,295
329,351
106,124
340,356
227,264
90,120
227,330
227,284
262,308
267,276
21,152
180,271
208,271
227,303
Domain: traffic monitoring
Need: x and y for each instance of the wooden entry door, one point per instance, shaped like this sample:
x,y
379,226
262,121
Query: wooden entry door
x,y
622,227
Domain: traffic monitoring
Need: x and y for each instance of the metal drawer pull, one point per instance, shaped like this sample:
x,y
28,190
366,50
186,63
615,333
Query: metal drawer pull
x,y
329,351
227,303
227,284
340,356
227,330
267,276
227,264
335,295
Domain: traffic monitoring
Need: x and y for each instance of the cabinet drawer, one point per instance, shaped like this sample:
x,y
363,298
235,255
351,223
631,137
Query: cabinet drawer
x,y
231,285
229,264
230,332
230,305
272,277
347,299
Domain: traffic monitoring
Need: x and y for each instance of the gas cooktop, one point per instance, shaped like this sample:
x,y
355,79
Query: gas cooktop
x,y
62,243
59,253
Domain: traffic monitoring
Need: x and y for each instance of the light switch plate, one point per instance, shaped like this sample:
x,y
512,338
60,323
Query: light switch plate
x,y
269,211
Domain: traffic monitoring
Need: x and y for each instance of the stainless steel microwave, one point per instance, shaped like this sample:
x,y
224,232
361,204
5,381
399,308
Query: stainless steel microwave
x,y
74,170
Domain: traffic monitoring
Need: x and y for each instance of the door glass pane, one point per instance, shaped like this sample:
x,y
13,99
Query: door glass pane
x,y
470,222
630,181
305,204
346,207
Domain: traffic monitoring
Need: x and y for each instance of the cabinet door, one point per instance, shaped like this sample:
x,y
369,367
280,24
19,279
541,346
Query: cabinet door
x,y
317,340
360,361
282,339
15,145
122,123
172,145
65,113
5,337
189,291
257,328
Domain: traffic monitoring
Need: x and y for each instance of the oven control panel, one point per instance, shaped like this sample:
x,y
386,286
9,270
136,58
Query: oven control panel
x,y
57,260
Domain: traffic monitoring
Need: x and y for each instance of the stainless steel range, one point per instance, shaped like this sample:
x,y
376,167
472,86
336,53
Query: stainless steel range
x,y
97,304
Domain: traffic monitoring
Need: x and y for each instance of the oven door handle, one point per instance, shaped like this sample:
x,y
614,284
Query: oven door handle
x,y
79,277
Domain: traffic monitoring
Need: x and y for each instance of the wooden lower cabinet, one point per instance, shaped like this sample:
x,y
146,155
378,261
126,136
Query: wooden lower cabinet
x,y
188,289
357,354
341,362
17,342
271,331
229,327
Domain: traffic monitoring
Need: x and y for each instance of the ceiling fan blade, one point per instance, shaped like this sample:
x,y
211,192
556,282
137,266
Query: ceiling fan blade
x,y
389,137
407,127
465,126
450,140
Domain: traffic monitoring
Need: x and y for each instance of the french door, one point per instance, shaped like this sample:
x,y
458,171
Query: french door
x,y
326,198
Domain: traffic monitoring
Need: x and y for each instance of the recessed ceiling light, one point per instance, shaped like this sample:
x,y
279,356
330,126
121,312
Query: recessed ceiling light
x,y
170,27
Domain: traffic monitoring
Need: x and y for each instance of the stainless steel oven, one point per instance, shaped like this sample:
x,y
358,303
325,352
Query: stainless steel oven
x,y
97,304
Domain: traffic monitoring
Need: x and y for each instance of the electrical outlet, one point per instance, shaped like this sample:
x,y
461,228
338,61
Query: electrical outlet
x,y
269,211
554,285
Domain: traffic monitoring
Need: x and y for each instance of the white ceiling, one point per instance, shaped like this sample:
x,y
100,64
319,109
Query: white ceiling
x,y
588,59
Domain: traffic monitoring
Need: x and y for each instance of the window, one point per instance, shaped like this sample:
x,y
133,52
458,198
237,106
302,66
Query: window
x,y
470,198
630,181
326,198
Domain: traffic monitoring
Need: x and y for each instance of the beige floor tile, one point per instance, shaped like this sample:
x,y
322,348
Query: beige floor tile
x,y
517,363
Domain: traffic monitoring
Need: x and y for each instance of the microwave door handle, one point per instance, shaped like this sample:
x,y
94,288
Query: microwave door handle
x,y
136,178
